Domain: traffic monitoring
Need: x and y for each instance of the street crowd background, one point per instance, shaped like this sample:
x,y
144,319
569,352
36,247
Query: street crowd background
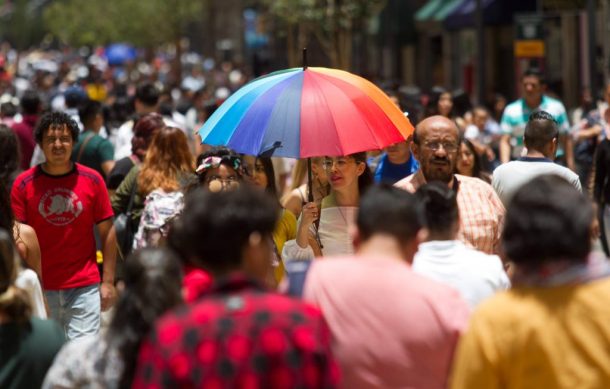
x,y
472,253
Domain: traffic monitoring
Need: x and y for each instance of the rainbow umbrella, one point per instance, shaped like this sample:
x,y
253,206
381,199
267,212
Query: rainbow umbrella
x,y
306,112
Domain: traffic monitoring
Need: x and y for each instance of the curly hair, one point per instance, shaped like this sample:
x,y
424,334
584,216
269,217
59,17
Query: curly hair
x,y
55,120
168,158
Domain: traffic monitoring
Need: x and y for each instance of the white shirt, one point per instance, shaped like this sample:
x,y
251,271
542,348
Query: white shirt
x,y
474,274
28,281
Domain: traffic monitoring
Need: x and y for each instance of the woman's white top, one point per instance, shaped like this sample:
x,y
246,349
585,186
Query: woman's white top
x,y
28,281
334,231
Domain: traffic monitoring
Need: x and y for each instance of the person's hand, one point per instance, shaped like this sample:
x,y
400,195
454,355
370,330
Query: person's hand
x,y
309,214
108,295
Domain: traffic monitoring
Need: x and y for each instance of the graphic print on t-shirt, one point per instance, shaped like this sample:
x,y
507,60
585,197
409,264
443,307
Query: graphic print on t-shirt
x,y
60,206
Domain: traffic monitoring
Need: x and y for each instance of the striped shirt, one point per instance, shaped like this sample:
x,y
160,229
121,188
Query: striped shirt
x,y
517,113
481,211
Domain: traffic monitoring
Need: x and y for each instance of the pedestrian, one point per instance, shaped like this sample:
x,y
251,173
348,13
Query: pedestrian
x,y
517,113
91,149
143,131
443,258
63,201
31,107
261,173
146,101
27,344
541,139
152,287
390,326
219,169
396,163
238,334
349,177
551,329
435,145
469,162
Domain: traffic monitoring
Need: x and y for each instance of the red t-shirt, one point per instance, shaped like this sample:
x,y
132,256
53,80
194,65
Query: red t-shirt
x,y
63,210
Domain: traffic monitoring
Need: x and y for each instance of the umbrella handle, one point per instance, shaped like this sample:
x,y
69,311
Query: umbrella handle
x,y
309,182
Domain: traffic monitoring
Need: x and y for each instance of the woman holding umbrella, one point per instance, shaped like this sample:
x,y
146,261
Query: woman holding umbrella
x,y
348,176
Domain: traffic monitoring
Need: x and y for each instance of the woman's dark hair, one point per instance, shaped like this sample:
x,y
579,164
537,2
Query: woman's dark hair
x,y
215,226
7,218
440,207
10,156
476,168
228,157
547,220
435,96
153,281
56,119
365,180
14,302
269,173
388,210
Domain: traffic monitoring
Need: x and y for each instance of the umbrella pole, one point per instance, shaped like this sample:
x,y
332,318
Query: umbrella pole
x,y
309,182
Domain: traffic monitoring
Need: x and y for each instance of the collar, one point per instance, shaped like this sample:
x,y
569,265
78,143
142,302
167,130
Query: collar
x,y
40,170
234,283
534,159
526,108
419,180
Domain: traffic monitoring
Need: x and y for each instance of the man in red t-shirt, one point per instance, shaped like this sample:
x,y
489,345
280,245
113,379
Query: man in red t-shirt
x,y
63,201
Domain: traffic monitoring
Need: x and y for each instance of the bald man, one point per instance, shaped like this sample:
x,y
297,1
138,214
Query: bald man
x,y
435,145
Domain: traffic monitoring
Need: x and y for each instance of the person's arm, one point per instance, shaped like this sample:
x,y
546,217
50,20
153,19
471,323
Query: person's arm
x,y
108,238
107,157
600,172
120,198
568,147
28,235
505,148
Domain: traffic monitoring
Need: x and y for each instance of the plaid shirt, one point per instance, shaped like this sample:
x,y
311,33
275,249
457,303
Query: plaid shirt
x,y
239,336
481,210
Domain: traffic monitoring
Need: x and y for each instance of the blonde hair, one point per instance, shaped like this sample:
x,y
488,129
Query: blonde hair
x,y
299,173
167,158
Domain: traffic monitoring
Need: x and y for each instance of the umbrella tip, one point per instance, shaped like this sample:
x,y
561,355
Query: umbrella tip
x,y
304,58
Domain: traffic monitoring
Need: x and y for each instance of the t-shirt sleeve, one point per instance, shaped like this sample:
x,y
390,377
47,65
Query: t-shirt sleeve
x,y
103,209
505,125
106,151
563,121
19,202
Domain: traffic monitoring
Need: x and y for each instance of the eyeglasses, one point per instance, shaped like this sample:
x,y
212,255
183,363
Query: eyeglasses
x,y
227,183
340,162
447,146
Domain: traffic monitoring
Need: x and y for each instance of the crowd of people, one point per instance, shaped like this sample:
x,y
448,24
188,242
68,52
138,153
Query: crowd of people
x,y
463,256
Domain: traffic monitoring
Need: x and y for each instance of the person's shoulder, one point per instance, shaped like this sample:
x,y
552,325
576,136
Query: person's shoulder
x,y
87,172
474,182
514,108
551,102
26,176
406,183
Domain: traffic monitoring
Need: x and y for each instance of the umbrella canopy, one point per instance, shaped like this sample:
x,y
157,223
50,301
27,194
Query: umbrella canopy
x,y
119,53
307,112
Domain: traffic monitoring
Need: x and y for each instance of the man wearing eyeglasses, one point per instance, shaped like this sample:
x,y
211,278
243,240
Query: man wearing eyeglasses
x,y
435,145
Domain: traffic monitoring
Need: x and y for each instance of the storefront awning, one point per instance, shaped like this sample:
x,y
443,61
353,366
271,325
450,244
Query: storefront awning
x,y
436,10
495,12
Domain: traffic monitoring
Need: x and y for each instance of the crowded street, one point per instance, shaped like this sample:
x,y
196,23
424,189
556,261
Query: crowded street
x,y
292,194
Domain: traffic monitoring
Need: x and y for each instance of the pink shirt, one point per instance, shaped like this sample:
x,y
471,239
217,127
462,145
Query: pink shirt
x,y
391,327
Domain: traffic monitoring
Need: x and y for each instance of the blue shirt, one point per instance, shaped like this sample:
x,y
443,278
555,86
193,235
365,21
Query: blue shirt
x,y
389,173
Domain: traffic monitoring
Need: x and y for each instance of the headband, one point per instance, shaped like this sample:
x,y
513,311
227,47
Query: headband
x,y
214,162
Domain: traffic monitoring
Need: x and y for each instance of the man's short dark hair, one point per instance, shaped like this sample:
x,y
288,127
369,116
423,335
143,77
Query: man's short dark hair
x,y
30,102
534,72
215,227
388,210
148,94
547,220
439,204
89,110
56,119
541,128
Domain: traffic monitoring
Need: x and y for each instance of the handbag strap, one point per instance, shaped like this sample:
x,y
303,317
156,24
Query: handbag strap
x,y
132,196
83,146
